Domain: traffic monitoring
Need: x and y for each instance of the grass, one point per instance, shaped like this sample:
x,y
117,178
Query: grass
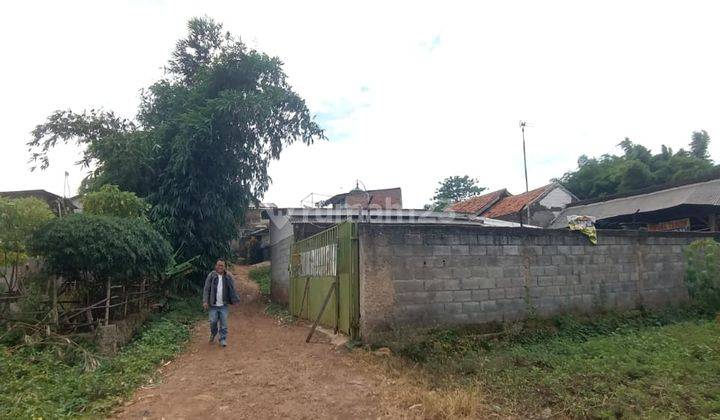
x,y
261,276
54,381
659,365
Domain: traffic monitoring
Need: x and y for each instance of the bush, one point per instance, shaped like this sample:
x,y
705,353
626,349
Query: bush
x,y
110,201
703,273
98,248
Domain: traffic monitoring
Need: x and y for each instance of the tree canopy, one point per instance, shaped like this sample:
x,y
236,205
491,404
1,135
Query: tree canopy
x,y
110,201
199,148
639,168
453,189
97,248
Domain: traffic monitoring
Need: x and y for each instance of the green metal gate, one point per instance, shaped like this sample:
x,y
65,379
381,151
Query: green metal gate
x,y
324,279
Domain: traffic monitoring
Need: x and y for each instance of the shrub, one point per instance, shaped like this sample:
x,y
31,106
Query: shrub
x,y
110,201
98,248
19,219
703,273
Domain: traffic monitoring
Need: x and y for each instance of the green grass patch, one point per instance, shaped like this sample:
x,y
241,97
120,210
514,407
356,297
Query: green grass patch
x,y
54,381
261,276
663,365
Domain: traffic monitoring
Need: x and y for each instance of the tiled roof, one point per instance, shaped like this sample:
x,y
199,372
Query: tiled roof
x,y
515,203
478,203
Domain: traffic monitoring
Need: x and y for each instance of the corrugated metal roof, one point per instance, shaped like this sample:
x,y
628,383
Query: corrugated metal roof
x,y
478,203
702,193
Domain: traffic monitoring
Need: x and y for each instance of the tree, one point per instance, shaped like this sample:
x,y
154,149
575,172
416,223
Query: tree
x,y
19,220
699,144
110,201
453,189
200,147
122,249
638,168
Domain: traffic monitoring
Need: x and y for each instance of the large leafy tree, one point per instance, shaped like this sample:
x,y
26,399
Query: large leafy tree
x,y
199,148
637,167
453,189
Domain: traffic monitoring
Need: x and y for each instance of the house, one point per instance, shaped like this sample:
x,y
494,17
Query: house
x,y
538,207
59,205
478,204
385,199
689,206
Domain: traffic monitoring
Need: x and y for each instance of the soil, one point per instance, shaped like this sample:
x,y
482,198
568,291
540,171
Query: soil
x,y
266,371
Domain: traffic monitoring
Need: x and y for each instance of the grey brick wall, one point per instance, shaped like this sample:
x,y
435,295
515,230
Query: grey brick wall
x,y
427,275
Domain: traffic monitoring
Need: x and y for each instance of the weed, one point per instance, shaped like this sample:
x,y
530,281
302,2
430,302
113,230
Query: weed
x,y
50,381
261,276
639,364
280,313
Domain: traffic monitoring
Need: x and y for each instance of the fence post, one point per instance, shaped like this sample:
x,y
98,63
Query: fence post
x,y
107,303
53,290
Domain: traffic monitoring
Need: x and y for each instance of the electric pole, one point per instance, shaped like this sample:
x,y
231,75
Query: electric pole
x,y
522,128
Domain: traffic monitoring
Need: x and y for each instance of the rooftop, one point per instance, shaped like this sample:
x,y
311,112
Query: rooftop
x,y
478,203
700,193
513,204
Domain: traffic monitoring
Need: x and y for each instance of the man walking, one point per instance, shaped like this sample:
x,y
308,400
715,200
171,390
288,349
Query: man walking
x,y
219,291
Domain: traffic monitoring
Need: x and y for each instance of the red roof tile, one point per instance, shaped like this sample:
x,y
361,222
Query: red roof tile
x,y
478,203
515,203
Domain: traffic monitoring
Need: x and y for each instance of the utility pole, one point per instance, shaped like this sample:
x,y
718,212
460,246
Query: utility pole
x,y
522,128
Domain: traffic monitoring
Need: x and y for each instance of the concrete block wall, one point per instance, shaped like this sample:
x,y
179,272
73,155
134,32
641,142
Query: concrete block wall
x,y
429,275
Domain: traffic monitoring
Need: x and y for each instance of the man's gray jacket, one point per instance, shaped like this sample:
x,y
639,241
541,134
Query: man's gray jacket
x,y
229,295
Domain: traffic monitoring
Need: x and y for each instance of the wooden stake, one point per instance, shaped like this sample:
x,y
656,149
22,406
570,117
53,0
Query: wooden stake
x,y
305,292
107,304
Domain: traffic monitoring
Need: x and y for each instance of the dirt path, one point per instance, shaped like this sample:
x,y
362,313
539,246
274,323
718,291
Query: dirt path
x,y
266,371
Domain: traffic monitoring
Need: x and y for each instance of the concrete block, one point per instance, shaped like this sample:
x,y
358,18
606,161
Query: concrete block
x,y
496,293
444,284
515,292
441,250
564,250
469,239
512,272
488,305
478,250
403,286
453,308
511,250
460,250
549,250
445,296
414,298
462,296
480,295
494,250
414,239
470,306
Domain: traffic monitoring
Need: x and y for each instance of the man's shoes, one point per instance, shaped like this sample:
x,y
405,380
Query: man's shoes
x,y
212,339
223,343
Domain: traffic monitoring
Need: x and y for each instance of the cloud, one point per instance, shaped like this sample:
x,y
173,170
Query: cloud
x,y
409,92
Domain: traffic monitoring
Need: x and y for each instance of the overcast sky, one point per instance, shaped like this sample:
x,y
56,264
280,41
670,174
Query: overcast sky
x,y
408,92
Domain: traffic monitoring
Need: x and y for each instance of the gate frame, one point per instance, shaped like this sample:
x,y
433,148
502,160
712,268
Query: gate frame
x,y
337,270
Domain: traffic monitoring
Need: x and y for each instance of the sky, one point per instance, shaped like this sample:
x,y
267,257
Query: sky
x,y
408,92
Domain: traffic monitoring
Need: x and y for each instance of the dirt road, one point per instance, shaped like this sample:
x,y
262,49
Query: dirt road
x,y
266,371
